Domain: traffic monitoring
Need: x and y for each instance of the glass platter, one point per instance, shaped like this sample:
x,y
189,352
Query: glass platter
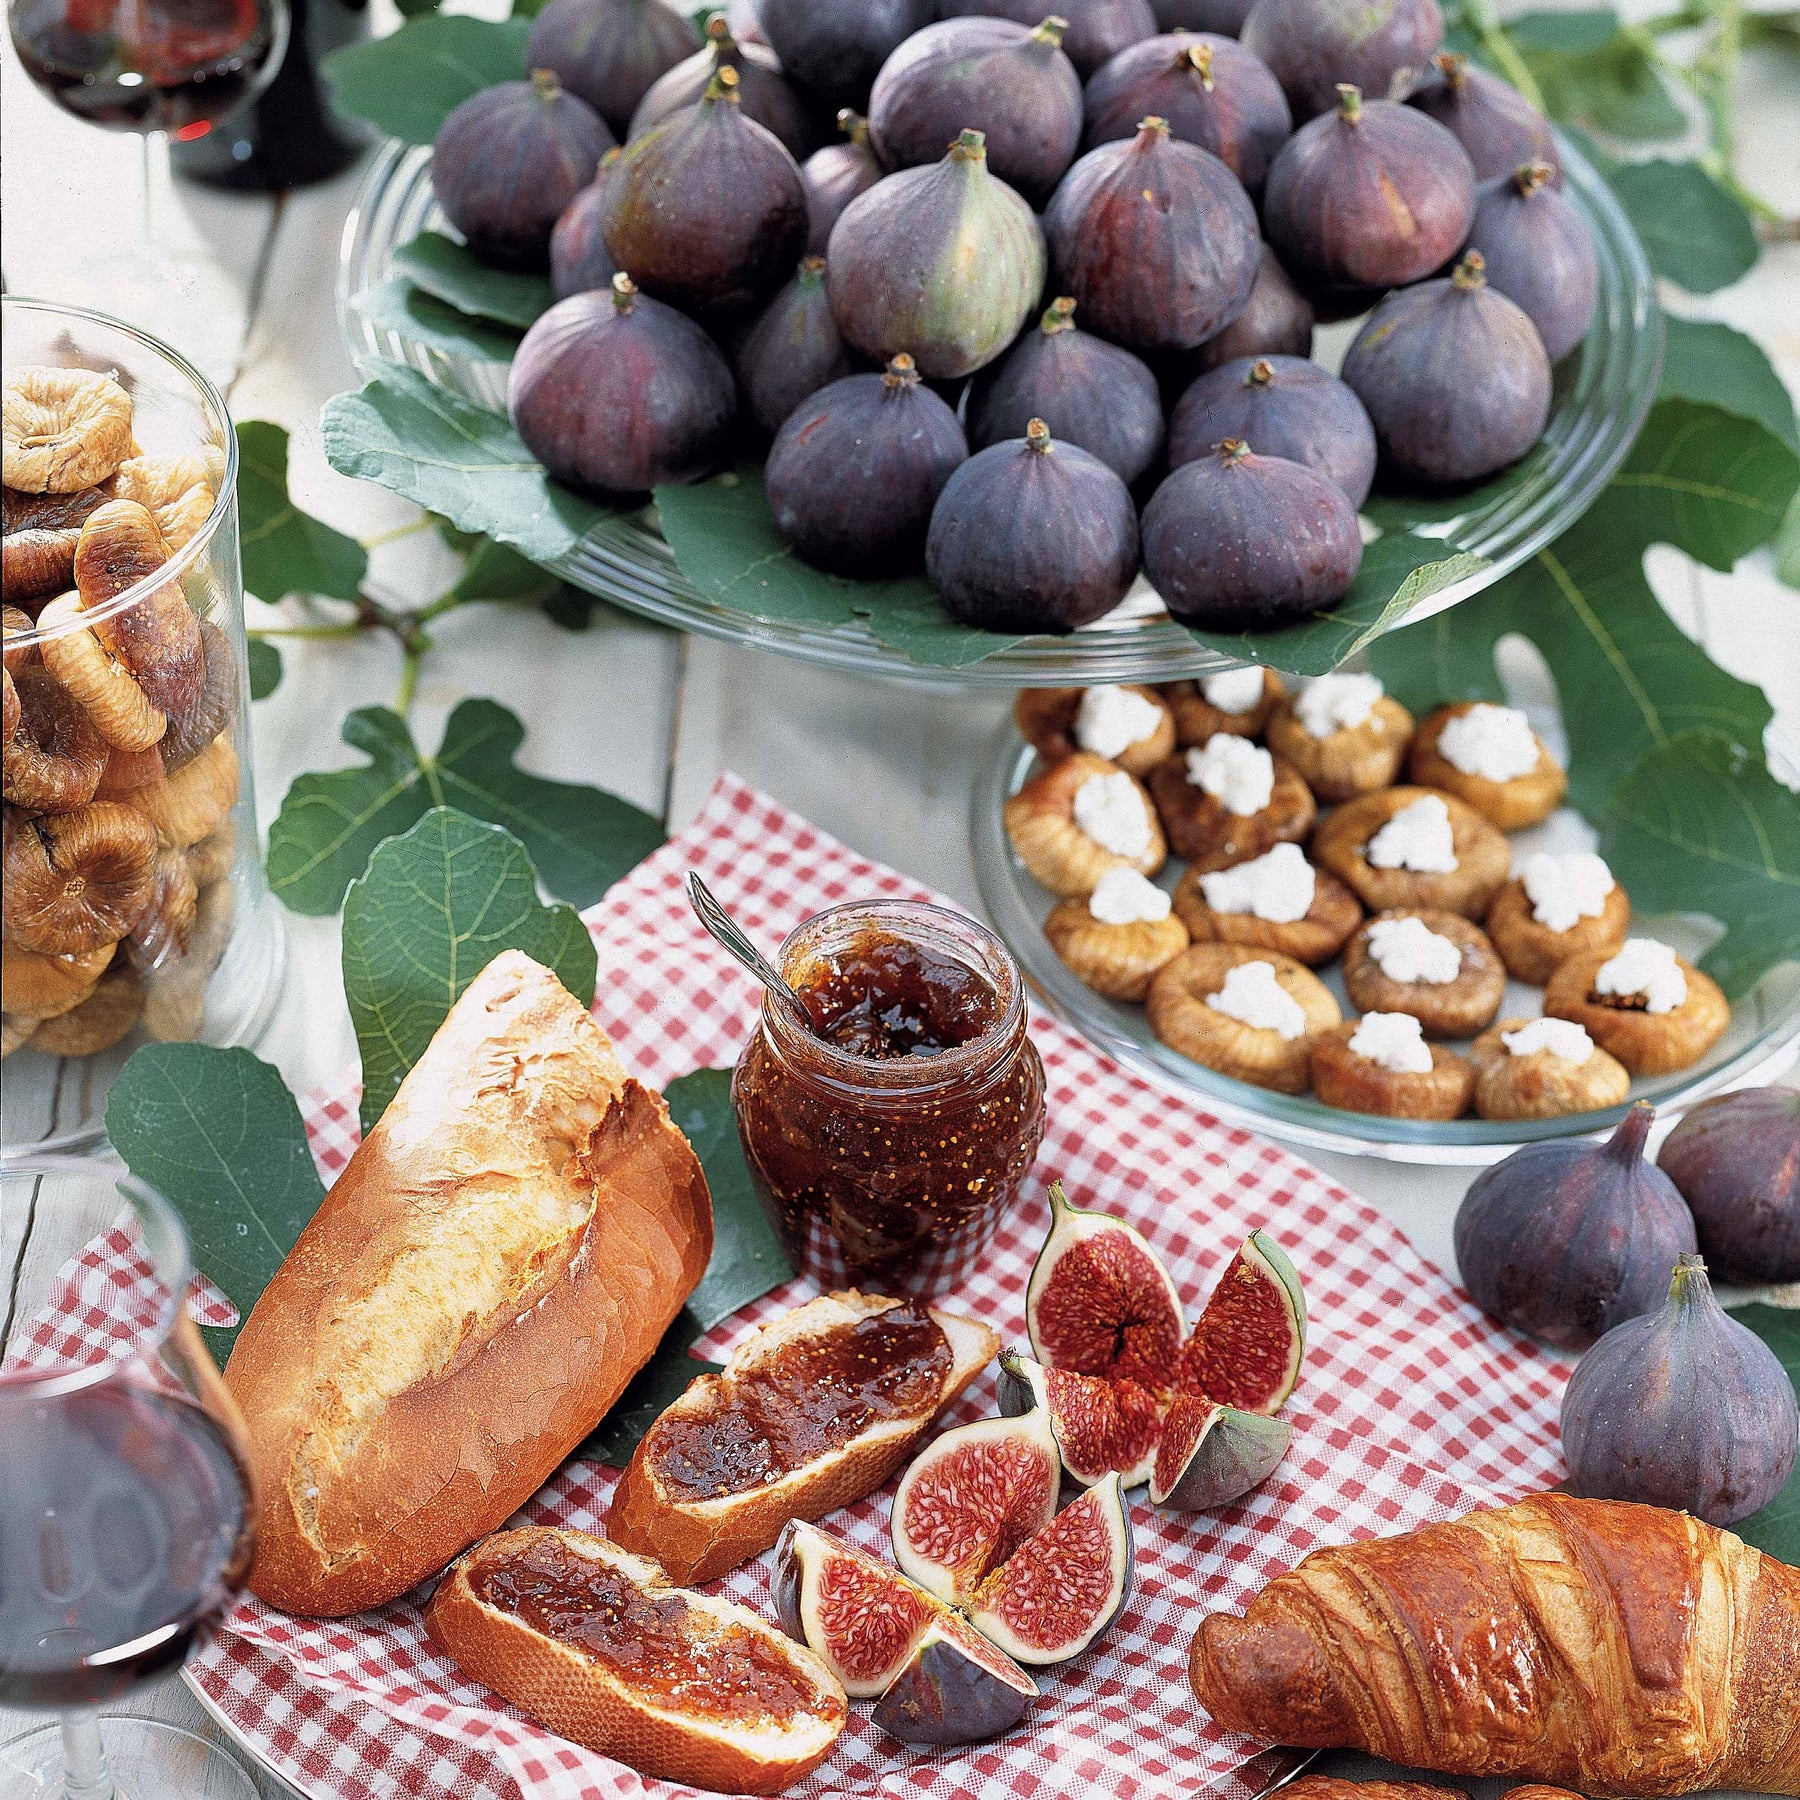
x,y
1603,391
1763,1039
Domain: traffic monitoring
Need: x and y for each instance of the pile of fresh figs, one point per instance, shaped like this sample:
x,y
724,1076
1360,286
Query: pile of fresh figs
x,y
1022,297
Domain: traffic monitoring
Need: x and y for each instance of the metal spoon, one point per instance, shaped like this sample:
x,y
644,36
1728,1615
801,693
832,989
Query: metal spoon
x,y
725,929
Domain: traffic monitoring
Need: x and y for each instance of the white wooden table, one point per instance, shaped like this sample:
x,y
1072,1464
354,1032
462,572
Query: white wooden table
x,y
640,710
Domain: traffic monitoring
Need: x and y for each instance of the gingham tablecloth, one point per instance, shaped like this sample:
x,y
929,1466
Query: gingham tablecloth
x,y
1411,1405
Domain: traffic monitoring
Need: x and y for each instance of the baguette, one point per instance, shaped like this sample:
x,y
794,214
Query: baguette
x,y
500,1256
830,1383
598,1645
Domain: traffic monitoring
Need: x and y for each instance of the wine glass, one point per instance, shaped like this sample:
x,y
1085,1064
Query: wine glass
x,y
127,1514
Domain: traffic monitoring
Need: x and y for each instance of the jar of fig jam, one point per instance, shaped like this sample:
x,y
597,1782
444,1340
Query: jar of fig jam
x,y
889,1139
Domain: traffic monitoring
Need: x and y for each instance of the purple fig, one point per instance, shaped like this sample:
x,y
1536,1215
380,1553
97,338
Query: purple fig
x,y
1379,46
509,159
763,92
1010,83
1211,90
744,17
1539,254
943,262
1223,17
610,51
706,210
1156,240
1492,120
1094,30
1684,1408
857,467
1280,406
1369,196
1454,377
1736,1160
1236,541
1088,392
616,392
834,176
1277,320
578,259
1211,1455
1030,535
792,350
832,48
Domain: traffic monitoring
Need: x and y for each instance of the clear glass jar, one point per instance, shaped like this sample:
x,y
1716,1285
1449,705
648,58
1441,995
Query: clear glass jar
x,y
887,1149
135,907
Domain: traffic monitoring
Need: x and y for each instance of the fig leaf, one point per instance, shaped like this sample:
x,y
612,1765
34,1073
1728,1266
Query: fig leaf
x,y
1776,1529
449,271
404,308
1613,86
1712,365
409,83
285,550
1693,229
436,906
265,668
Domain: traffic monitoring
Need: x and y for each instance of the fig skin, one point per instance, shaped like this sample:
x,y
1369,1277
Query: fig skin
x,y
1280,406
1567,1239
578,259
763,91
1031,535
617,392
1684,1408
1223,17
1156,240
1539,254
1212,91
609,52
1236,541
1454,377
1090,393
1489,117
706,211
1312,45
1736,1160
507,161
791,351
1013,85
1277,320
857,467
942,262
1367,196
1097,30
834,176
832,49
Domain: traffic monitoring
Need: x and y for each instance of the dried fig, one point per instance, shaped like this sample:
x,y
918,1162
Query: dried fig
x,y
210,860
1493,121
157,637
104,686
178,491
108,1014
39,987
1543,1069
161,935
1256,903
11,712
1643,1004
15,1034
1443,855
38,550
1554,908
1344,735
214,707
610,51
64,429
1229,801
175,996
834,176
1313,45
1389,1070
1434,965
192,802
1197,1006
1052,821
80,879
1130,726
1235,701
17,635
1119,936
1490,757
763,91
53,756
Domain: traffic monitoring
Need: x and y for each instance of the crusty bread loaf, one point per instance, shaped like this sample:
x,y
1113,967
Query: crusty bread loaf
x,y
599,1646
696,1539
501,1255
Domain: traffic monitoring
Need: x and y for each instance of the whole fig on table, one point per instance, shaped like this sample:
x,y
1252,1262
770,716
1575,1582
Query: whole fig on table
x,y
616,392
1225,17
1567,1239
1736,1160
1277,320
1011,84
1156,240
1030,535
1313,45
763,92
1684,1408
578,259
1095,30
1236,541
1370,195
1490,118
854,472
1280,406
706,211
1090,393
942,262
509,159
610,51
834,176
1211,90
791,351
1454,376
832,48
1539,253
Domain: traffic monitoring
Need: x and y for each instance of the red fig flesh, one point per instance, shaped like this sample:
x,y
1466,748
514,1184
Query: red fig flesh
x,y
1247,1347
1102,1424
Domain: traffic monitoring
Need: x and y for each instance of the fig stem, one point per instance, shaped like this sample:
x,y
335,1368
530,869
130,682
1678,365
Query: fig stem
x,y
718,34
1050,31
1454,67
1350,102
1233,451
970,146
1532,177
902,373
1037,437
1689,1285
853,125
1627,1143
546,83
723,86
624,292
1261,373
1199,58
1470,273
1153,125
813,266
1059,315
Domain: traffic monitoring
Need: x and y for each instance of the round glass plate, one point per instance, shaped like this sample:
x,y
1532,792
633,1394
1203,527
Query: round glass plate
x,y
1763,1040
1603,391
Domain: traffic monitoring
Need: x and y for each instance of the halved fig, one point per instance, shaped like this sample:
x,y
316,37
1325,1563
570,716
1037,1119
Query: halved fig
x,y
1100,1425
1211,1455
970,1499
955,1688
1064,1585
1246,1349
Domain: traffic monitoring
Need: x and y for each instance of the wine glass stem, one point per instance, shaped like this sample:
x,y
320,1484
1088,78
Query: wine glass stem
x,y
158,177
85,1776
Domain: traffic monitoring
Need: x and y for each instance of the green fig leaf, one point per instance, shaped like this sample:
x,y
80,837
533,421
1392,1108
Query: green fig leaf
x,y
1776,1529
1573,33
1614,87
495,572
1712,365
1787,545
449,271
408,84
265,668
399,306
1694,230
286,551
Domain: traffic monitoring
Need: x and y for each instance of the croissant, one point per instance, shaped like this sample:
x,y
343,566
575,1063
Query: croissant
x,y
1611,1648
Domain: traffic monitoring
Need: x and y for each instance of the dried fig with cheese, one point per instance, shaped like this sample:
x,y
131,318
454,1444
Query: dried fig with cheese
x,y
1543,1069
37,553
191,803
1119,936
1072,822
39,987
177,490
161,935
1381,1064
64,429
1235,701
1556,907
1130,726
1229,801
107,1015
1434,965
53,755
77,880
1344,735
1412,847
102,684
1490,757
1276,901
156,637
1244,1013
1643,1004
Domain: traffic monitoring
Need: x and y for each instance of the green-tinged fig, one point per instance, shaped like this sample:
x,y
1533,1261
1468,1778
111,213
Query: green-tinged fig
x,y
832,48
619,393
1380,46
1538,252
791,351
1683,1408
610,51
1277,320
707,210
834,176
1094,30
1493,121
1211,1455
578,259
1156,240
1736,1160
942,262
763,92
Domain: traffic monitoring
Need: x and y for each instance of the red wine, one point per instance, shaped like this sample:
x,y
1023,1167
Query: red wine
x,y
144,65
124,1533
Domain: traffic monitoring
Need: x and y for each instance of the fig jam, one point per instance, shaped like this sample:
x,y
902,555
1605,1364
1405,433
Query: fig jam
x,y
888,1140
811,1396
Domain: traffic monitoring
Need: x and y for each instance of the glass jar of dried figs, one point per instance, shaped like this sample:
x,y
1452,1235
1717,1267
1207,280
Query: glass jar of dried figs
x,y
132,901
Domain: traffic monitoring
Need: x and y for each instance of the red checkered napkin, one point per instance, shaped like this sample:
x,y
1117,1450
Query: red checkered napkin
x,y
1411,1406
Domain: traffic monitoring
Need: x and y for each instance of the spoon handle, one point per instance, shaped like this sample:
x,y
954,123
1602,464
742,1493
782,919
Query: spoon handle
x,y
725,929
